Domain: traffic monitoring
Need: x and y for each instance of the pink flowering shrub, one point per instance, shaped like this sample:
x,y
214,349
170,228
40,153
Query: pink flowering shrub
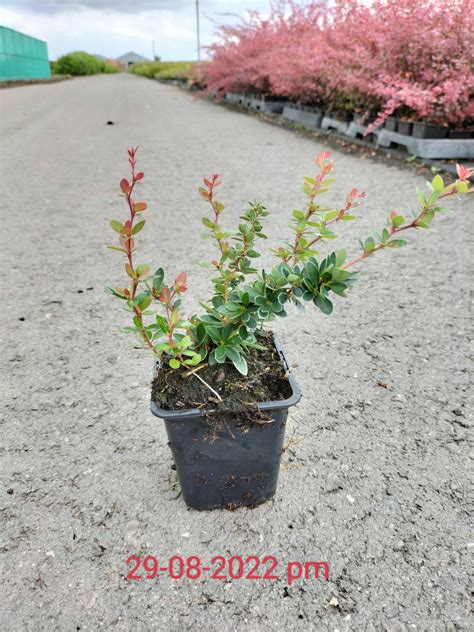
x,y
412,57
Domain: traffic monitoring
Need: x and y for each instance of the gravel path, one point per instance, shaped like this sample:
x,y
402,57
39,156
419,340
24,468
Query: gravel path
x,y
375,479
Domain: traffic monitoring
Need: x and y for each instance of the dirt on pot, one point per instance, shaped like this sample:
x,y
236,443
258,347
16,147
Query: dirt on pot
x,y
266,380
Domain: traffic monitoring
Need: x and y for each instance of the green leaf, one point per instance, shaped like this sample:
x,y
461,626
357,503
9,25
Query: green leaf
x,y
116,225
397,243
341,256
421,197
214,334
340,275
137,228
212,358
217,301
142,269
185,342
338,288
221,353
200,333
323,303
298,214
162,323
117,248
331,215
398,220
251,323
207,222
461,187
437,184
240,364
115,293
158,279
232,354
328,234
144,302
369,244
245,298
174,364
433,198
209,320
311,270
194,360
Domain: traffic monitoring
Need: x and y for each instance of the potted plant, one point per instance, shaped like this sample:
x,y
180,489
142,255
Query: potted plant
x,y
222,384
308,115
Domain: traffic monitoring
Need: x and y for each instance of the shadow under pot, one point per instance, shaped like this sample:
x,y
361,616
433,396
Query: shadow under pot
x,y
226,460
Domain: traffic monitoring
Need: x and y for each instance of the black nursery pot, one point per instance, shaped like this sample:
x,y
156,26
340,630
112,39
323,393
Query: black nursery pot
x,y
462,134
391,123
404,127
222,463
427,130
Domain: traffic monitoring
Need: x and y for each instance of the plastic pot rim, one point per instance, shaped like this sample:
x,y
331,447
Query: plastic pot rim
x,y
270,405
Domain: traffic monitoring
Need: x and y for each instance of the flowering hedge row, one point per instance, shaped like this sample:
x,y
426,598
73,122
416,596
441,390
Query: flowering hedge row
x,y
411,57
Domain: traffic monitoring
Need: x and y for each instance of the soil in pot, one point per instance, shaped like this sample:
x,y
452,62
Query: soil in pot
x,y
266,381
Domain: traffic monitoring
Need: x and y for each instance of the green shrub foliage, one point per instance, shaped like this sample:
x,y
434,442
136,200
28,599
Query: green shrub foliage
x,y
80,64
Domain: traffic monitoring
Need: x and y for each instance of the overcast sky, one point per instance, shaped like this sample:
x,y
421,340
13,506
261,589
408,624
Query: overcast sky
x,y
113,27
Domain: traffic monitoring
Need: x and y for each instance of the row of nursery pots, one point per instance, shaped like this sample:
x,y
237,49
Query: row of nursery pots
x,y
417,129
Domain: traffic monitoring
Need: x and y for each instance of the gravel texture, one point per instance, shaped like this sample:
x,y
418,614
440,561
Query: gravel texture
x,y
375,477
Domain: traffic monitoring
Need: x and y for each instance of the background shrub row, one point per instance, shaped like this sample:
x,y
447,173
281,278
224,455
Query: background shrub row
x,y
414,58
81,63
164,69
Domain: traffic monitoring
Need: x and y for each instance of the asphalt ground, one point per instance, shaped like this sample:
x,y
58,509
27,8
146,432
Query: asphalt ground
x,y
375,477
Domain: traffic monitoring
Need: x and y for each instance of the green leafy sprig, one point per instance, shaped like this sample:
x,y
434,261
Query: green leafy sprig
x,y
245,298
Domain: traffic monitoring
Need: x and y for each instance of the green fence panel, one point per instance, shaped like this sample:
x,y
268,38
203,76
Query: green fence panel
x,y
22,57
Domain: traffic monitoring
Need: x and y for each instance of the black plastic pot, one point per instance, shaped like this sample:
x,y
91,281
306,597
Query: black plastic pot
x,y
461,134
404,127
303,114
391,123
426,130
220,462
